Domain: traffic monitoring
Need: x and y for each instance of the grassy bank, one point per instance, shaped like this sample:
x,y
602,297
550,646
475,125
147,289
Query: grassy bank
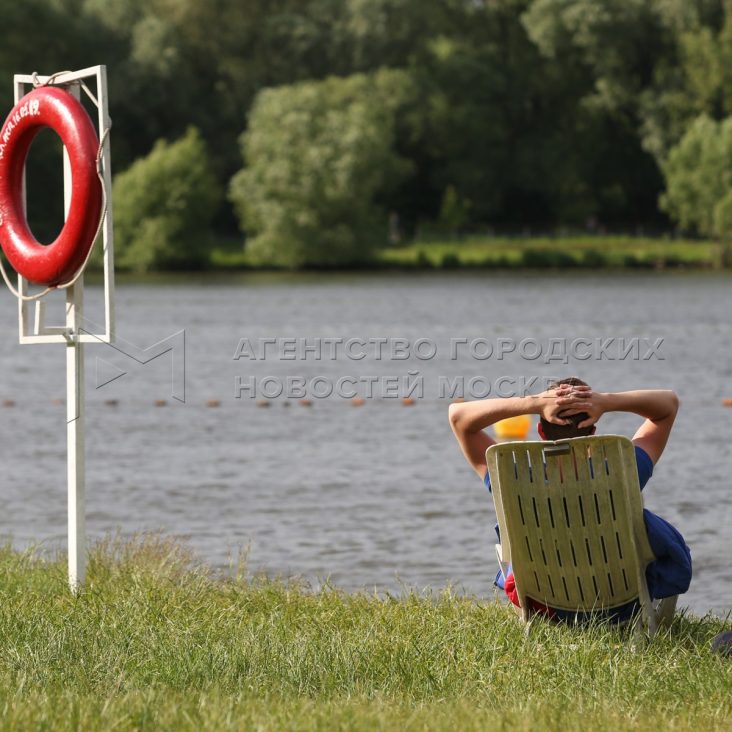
x,y
587,252
594,252
155,642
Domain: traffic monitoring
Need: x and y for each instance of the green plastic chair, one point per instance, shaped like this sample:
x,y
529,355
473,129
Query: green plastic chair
x,y
570,515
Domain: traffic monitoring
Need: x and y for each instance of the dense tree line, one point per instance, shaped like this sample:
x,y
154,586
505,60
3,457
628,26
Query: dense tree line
x,y
311,123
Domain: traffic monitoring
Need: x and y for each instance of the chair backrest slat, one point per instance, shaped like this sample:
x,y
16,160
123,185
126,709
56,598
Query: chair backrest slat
x,y
570,515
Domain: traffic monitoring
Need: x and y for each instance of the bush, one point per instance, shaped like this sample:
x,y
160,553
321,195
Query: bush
x,y
503,262
423,261
454,212
450,260
633,262
163,206
546,259
593,259
318,154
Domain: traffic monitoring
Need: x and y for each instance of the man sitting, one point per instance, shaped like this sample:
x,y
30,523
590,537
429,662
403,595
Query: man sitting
x,y
570,408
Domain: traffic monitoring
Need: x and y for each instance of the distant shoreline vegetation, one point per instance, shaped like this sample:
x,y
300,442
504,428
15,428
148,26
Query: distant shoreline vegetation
x,y
318,130
521,253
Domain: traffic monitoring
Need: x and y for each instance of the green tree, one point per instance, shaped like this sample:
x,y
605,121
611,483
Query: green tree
x,y
610,47
699,178
602,57
693,77
163,206
318,155
537,112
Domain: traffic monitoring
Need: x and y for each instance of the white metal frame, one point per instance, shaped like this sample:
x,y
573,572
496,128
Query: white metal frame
x,y
72,333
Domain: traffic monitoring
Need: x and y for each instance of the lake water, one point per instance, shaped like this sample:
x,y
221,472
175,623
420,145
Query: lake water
x,y
376,496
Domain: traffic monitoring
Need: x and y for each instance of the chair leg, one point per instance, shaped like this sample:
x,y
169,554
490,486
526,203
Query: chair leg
x,y
649,617
524,611
641,639
666,610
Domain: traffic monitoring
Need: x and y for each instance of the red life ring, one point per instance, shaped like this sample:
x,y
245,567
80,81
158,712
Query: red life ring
x,y
56,263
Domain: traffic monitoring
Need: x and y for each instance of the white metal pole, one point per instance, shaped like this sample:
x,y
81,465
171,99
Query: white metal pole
x,y
75,418
105,123
75,409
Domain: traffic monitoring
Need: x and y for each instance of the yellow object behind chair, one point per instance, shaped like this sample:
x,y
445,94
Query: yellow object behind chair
x,y
513,428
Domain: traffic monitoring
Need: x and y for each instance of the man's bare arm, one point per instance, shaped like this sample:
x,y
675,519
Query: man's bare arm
x,y
469,419
658,406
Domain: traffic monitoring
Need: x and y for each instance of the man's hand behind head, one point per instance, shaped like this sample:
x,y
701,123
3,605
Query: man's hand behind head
x,y
565,400
581,400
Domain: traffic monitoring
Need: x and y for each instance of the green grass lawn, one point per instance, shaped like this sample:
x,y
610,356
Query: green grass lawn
x,y
156,642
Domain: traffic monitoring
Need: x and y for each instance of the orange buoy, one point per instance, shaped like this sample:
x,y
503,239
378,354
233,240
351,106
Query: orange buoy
x,y
213,403
160,403
727,402
305,403
513,428
263,402
408,401
358,401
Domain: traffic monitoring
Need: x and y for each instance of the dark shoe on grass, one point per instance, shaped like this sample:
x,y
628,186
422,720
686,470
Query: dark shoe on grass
x,y
722,644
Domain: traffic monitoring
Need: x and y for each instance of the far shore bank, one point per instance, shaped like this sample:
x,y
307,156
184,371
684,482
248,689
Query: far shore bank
x,y
519,253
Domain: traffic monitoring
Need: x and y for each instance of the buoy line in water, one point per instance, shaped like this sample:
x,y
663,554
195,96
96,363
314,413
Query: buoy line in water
x,y
513,428
213,403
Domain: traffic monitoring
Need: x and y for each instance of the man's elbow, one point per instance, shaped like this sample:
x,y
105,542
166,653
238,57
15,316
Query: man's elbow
x,y
455,416
672,405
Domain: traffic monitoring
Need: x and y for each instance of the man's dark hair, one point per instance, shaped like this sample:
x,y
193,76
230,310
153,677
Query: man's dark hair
x,y
562,431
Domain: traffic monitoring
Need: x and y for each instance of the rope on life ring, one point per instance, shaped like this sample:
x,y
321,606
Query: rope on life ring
x,y
59,264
